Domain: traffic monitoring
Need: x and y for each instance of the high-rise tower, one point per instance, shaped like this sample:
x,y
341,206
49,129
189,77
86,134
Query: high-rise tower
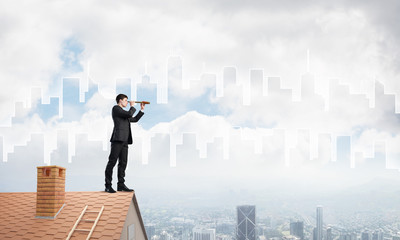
x,y
203,233
297,229
246,222
319,228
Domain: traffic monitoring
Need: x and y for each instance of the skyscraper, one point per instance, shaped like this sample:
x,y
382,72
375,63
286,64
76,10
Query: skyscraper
x,y
365,235
348,236
329,235
203,233
246,222
319,228
377,235
314,232
72,107
343,148
297,229
256,84
150,230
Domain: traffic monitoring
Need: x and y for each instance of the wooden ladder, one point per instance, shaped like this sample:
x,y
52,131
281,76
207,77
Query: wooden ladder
x,y
90,231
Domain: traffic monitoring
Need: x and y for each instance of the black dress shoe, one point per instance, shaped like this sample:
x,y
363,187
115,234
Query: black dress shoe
x,y
124,188
110,190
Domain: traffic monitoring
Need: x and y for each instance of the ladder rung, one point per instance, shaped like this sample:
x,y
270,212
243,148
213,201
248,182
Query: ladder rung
x,y
87,220
95,223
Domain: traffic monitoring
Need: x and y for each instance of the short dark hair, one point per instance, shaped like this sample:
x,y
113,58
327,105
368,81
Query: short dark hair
x,y
120,97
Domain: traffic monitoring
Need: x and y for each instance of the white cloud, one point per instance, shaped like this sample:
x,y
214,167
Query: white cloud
x,y
119,38
30,44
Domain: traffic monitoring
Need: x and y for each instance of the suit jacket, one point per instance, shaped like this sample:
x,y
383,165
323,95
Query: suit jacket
x,y
122,127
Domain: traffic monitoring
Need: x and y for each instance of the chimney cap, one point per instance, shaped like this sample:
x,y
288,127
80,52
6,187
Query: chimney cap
x,y
52,166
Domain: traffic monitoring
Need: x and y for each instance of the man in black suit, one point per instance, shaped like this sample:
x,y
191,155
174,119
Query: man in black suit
x,y
120,138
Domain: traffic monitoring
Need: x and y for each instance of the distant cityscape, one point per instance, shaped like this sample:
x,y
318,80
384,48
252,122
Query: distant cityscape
x,y
245,223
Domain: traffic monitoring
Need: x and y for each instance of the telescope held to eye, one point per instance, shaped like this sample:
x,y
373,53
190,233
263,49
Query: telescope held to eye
x,y
144,102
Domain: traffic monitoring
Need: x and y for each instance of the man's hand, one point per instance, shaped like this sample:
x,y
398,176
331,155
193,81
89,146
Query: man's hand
x,y
132,103
142,106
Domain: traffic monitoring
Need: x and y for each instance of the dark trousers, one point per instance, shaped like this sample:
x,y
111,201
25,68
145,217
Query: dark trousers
x,y
119,151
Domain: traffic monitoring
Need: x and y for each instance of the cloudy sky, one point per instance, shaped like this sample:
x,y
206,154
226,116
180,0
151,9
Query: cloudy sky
x,y
351,43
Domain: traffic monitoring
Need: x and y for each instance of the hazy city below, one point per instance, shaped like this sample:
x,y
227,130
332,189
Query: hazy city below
x,y
352,205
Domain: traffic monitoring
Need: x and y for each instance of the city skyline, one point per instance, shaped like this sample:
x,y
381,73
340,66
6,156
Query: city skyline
x,y
74,95
189,147
220,224
312,113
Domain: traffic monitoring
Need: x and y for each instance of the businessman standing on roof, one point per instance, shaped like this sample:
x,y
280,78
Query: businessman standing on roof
x,y
120,138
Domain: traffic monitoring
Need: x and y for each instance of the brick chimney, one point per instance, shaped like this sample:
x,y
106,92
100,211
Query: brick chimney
x,y
50,196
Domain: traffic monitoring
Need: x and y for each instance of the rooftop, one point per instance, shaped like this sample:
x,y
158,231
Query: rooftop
x,y
18,221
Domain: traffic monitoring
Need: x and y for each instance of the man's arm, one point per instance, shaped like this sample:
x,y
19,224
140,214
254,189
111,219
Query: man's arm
x,y
139,115
119,112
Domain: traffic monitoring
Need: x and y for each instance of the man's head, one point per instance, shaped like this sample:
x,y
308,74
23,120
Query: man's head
x,y
122,99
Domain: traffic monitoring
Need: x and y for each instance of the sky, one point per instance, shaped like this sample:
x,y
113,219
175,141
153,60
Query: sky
x,y
183,49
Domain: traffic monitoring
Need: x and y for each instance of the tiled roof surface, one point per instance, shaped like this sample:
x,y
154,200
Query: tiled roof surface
x,y
18,221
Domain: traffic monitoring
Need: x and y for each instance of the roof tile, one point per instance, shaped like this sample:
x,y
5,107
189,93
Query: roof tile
x,y
97,234
17,215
